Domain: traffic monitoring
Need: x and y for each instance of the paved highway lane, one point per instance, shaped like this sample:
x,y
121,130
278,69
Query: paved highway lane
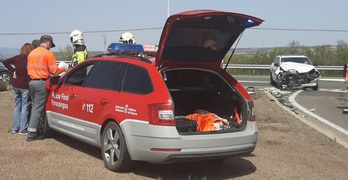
x,y
328,102
325,106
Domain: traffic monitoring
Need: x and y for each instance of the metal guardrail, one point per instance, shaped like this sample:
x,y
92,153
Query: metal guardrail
x,y
258,66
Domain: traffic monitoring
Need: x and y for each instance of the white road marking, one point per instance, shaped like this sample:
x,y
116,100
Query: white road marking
x,y
332,90
292,101
268,82
334,79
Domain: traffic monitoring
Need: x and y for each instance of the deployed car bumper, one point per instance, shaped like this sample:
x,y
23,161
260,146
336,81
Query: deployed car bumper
x,y
311,83
163,144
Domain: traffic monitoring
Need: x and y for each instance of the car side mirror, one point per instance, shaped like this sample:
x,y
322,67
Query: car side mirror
x,y
52,81
276,64
315,64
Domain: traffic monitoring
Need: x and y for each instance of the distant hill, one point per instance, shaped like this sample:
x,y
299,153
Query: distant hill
x,y
9,52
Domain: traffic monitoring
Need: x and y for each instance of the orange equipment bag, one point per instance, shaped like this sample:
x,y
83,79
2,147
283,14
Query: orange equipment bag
x,y
206,121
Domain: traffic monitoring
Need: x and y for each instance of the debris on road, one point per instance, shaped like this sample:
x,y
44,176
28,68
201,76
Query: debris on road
x,y
345,111
279,94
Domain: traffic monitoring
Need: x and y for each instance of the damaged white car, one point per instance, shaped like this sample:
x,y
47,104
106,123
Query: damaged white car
x,y
294,71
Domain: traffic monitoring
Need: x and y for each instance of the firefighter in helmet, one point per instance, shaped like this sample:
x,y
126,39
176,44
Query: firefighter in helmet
x,y
127,38
80,49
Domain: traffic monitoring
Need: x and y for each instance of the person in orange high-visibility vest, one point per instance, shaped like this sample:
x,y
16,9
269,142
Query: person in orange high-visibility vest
x,y
345,74
41,65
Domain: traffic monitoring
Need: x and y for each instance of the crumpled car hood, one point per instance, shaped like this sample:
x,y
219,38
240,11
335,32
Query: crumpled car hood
x,y
301,68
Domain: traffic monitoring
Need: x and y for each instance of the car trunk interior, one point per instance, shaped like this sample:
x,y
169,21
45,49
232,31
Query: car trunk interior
x,y
194,89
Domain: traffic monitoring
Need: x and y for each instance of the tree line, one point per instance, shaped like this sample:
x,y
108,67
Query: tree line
x,y
324,55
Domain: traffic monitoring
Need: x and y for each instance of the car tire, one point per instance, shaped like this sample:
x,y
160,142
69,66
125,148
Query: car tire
x,y
6,80
114,149
315,88
279,85
271,79
44,128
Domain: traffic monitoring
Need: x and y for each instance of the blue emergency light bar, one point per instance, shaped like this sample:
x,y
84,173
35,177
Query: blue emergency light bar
x,y
122,48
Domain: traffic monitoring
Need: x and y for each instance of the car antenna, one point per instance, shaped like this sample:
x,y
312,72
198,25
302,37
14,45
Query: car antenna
x,y
234,49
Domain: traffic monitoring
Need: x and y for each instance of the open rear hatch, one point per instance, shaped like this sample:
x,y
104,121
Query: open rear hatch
x,y
201,37
191,43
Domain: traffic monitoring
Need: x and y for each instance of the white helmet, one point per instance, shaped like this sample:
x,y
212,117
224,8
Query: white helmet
x,y
76,37
128,38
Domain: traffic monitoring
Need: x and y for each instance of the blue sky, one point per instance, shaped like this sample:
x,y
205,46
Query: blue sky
x,y
59,18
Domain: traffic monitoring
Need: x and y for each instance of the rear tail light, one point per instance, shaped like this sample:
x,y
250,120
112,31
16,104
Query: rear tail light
x,y
161,114
251,110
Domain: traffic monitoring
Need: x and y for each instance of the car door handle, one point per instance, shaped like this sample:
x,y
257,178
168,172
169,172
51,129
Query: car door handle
x,y
103,102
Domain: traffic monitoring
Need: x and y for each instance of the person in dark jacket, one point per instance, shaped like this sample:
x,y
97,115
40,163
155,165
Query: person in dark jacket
x,y
20,85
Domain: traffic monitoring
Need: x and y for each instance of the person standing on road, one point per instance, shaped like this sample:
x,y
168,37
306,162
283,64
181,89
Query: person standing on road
x,y
36,43
345,74
41,65
80,49
20,86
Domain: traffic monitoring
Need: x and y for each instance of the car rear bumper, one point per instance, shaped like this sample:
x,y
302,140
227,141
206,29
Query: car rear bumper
x,y
163,144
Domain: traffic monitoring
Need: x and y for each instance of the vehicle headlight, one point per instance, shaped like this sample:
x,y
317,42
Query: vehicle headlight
x,y
292,71
314,72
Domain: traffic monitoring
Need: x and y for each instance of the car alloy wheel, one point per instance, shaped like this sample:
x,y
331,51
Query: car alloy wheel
x,y
6,79
114,149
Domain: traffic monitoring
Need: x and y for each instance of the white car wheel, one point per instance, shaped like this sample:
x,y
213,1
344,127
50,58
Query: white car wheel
x,y
315,88
114,149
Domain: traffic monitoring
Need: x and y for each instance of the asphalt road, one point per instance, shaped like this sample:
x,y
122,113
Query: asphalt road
x,y
328,102
325,106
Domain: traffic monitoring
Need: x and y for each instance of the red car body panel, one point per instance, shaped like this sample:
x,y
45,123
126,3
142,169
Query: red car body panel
x,y
96,108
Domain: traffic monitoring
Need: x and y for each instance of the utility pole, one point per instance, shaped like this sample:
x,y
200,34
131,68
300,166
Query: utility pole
x,y
167,8
104,42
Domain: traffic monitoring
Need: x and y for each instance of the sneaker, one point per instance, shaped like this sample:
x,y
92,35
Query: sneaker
x,y
14,132
23,133
33,136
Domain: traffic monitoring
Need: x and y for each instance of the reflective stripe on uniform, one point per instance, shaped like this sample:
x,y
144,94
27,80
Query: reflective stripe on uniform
x,y
346,78
41,63
80,54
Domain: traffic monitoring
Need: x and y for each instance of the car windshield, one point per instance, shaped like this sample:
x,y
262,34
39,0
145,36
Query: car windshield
x,y
300,60
2,65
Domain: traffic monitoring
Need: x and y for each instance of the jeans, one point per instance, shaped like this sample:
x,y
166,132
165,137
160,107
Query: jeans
x,y
38,95
20,113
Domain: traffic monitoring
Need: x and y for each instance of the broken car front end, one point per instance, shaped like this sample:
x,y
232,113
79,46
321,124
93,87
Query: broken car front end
x,y
288,79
